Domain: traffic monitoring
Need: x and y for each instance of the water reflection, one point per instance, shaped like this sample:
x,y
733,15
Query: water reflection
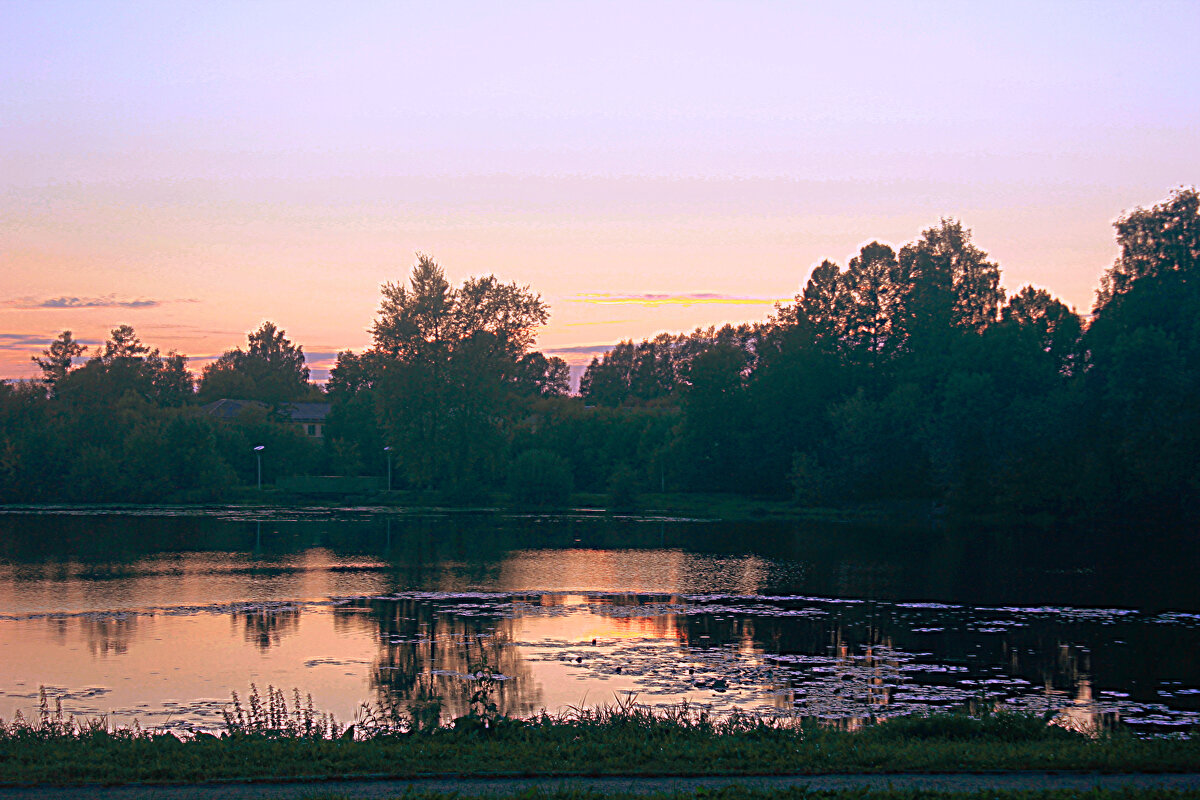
x,y
265,626
165,615
108,635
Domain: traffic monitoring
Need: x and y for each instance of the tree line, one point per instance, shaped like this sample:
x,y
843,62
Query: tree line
x,y
906,376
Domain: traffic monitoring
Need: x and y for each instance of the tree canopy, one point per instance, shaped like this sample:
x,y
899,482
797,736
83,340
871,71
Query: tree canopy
x,y
906,379
271,370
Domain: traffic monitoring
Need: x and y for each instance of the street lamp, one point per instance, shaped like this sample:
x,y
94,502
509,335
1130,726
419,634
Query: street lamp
x,y
258,456
388,451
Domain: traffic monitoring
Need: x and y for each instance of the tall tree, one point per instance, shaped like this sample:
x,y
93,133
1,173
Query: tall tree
x,y
543,377
414,320
822,303
57,359
871,302
1056,326
1155,242
953,281
1143,354
272,369
447,357
607,379
123,365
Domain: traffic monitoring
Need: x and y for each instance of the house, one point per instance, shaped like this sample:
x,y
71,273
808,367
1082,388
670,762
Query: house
x,y
309,418
227,410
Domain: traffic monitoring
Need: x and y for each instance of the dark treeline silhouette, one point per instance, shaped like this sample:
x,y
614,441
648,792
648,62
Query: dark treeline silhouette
x,y
906,377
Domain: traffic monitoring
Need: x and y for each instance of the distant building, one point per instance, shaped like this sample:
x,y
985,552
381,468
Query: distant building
x,y
309,418
227,410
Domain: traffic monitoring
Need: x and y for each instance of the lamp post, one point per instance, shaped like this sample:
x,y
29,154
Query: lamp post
x,y
388,451
258,457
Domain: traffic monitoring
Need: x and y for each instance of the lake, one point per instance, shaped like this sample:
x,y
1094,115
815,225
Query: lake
x,y
158,615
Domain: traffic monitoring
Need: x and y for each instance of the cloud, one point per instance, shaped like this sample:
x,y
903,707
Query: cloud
x,y
578,357
318,359
583,349
687,299
104,301
19,340
16,349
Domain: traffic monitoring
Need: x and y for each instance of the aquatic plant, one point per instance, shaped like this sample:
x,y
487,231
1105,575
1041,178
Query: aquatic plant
x,y
276,719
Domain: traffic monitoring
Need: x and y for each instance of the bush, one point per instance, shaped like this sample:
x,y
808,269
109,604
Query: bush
x,y
540,478
623,489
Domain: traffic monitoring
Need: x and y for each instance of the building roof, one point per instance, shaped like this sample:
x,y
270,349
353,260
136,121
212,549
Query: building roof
x,y
228,409
306,412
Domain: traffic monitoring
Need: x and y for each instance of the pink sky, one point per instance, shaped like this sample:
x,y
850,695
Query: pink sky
x,y
195,169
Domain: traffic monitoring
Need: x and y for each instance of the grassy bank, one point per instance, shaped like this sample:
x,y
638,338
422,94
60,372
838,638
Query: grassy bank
x,y
274,743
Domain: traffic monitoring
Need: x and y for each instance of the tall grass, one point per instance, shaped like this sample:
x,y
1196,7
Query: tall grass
x,y
269,735
272,716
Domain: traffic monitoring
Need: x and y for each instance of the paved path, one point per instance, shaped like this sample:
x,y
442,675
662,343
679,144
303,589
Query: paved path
x,y
483,787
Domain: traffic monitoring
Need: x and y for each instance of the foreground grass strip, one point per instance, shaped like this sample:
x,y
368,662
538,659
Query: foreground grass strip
x,y
631,742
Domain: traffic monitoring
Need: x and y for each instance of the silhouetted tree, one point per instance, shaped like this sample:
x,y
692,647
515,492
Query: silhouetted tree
x,y
122,366
946,269
271,370
823,305
1157,242
448,358
872,299
57,359
1057,328
543,377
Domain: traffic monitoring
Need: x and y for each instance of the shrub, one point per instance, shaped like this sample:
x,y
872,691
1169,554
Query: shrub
x,y
540,478
623,489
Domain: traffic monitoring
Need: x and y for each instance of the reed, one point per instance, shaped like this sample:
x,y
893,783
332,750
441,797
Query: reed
x,y
269,736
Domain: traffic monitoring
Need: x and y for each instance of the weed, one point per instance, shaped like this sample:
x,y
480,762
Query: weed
x,y
269,736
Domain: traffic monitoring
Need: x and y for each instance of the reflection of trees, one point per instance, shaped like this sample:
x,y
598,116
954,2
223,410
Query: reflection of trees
x,y
615,609
108,635
265,627
855,669
436,553
427,652
1085,715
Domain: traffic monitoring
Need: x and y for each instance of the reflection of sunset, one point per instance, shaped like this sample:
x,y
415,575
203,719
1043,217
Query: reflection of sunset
x,y
651,571
167,635
179,658
595,625
594,570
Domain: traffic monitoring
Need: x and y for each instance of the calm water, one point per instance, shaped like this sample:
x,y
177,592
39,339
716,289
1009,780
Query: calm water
x,y
159,615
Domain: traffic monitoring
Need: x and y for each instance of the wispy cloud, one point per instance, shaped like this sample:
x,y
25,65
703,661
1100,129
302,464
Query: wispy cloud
x,y
579,350
17,341
578,357
103,301
315,357
16,349
12,341
687,299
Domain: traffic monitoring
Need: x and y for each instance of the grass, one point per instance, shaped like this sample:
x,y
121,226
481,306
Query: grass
x,y
270,740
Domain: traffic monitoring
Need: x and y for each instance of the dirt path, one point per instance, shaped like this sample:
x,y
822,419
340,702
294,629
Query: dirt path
x,y
482,787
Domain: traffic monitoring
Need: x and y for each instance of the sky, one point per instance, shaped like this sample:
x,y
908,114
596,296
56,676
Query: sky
x,y
193,169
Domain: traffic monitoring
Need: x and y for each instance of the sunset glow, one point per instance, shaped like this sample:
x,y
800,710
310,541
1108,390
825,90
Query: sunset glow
x,y
194,170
